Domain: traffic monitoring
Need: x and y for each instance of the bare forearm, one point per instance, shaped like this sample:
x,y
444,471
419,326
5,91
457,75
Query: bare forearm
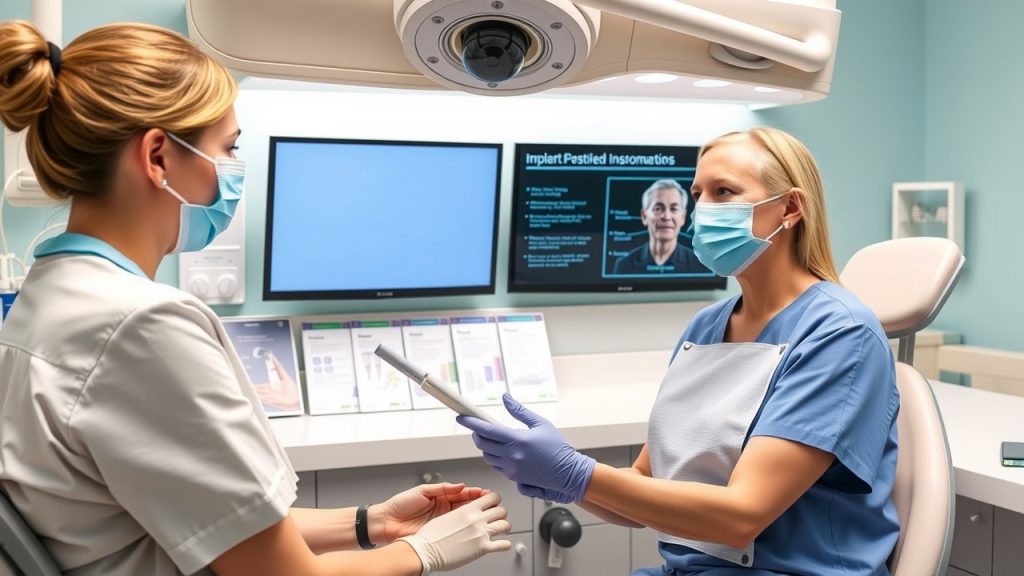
x,y
333,529
396,559
608,515
684,509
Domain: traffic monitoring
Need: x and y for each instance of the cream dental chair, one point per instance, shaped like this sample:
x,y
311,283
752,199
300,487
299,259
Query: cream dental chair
x,y
906,282
21,553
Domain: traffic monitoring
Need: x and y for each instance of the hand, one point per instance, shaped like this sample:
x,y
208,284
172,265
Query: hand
x,y
461,536
406,512
279,396
544,494
539,456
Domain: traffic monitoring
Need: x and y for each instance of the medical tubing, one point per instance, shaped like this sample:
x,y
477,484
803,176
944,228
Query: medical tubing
x,y
3,200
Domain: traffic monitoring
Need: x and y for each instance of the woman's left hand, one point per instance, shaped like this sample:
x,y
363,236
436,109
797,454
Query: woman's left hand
x,y
406,512
539,456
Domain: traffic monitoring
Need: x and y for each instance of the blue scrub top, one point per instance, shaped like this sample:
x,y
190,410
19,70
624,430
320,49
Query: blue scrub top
x,y
835,390
71,243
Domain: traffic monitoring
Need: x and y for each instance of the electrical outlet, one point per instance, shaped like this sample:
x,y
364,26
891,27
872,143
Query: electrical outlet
x,y
216,274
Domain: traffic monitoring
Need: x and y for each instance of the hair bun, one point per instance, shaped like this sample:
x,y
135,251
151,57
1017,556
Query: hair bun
x,y
26,74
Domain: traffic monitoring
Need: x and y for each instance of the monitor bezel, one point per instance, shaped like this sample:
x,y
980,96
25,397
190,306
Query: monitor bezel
x,y
624,287
382,293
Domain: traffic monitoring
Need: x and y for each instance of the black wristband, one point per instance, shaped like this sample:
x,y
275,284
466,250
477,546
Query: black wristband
x,y
362,530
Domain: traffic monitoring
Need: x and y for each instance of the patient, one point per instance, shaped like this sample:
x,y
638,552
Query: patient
x,y
772,444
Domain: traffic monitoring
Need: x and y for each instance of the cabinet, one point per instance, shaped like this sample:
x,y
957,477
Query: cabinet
x,y
972,537
987,540
602,549
934,209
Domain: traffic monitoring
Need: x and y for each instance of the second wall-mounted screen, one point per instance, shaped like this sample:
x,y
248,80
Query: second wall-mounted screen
x,y
604,218
379,219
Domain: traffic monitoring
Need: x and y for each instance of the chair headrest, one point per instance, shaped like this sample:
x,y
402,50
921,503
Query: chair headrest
x,y
904,281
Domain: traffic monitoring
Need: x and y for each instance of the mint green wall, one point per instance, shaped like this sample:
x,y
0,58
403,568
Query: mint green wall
x,y
866,134
973,126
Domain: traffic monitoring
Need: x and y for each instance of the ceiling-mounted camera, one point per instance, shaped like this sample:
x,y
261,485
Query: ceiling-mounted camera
x,y
497,46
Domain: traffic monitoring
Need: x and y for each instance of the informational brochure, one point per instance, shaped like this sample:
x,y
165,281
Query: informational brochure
x,y
330,370
428,344
527,354
381,387
267,350
478,358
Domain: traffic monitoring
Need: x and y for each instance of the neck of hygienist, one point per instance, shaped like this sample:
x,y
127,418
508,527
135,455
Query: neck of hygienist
x,y
133,214
774,280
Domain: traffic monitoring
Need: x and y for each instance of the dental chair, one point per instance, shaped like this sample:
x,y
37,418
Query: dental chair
x,y
21,553
906,282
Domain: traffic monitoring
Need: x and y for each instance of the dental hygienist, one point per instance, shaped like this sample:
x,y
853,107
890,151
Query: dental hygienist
x,y
771,447
131,439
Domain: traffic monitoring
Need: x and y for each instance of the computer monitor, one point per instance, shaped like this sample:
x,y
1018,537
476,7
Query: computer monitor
x,y
380,219
604,218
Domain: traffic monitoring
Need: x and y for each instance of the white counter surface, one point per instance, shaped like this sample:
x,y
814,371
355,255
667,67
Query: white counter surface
x,y
605,400
977,422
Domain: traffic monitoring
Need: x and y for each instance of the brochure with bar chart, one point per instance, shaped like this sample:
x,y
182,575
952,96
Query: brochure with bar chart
x,y
381,387
428,344
330,371
478,357
527,354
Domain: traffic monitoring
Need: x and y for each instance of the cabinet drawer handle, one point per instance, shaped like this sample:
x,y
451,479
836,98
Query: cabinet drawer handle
x,y
521,549
975,518
429,478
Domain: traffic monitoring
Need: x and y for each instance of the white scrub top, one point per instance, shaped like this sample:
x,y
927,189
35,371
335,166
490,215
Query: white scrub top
x,y
130,437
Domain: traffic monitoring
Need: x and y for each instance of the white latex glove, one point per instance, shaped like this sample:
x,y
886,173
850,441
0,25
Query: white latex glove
x,y
462,535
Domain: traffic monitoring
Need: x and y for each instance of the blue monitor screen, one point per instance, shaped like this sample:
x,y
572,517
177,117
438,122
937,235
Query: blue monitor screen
x,y
376,219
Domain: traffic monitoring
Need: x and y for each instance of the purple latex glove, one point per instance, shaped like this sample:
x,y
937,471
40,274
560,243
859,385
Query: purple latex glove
x,y
538,457
544,494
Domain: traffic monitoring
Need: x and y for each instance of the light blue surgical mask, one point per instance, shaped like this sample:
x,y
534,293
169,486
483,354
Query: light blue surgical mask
x,y
723,235
199,225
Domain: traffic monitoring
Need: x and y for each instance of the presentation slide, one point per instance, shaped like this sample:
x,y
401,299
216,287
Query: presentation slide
x,y
604,218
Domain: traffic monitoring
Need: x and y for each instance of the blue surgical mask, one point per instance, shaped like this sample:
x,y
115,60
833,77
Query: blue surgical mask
x,y
199,225
723,235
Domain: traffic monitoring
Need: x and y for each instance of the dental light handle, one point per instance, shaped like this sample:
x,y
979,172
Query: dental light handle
x,y
444,393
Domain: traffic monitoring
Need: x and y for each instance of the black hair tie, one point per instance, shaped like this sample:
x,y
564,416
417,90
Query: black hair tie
x,y
54,57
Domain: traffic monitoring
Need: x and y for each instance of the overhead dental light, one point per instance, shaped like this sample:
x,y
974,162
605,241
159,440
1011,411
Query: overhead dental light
x,y
512,47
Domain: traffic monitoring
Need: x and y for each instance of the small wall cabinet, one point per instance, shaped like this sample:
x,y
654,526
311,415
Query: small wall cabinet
x,y
934,209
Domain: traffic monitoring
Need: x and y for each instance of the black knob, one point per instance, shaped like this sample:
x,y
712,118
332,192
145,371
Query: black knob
x,y
559,524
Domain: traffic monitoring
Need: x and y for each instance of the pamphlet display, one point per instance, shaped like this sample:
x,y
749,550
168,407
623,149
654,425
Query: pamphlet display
x,y
380,386
478,357
267,351
330,370
527,354
428,343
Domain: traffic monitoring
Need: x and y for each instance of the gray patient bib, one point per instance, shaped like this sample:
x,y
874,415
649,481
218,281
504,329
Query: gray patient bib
x,y
705,407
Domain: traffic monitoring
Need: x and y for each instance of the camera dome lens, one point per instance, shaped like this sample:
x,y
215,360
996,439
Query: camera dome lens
x,y
493,51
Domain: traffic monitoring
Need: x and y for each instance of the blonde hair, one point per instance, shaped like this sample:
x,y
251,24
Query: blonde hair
x,y
786,163
114,82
